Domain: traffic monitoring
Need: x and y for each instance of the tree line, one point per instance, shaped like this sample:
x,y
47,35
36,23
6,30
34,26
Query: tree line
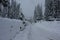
x,y
11,9
52,11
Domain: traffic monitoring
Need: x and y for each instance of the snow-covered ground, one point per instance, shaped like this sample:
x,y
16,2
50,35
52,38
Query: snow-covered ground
x,y
46,31
41,31
10,30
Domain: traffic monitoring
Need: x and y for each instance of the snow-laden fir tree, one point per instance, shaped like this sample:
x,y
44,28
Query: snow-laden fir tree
x,y
52,9
10,9
48,9
15,10
38,13
56,4
4,7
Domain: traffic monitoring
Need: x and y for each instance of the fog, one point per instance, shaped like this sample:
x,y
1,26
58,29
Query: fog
x,y
28,6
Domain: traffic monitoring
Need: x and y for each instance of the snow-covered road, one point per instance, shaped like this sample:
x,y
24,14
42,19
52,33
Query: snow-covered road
x,y
10,30
25,34
40,31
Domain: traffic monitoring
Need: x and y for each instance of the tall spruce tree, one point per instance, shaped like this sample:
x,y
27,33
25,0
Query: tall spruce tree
x,y
52,9
38,13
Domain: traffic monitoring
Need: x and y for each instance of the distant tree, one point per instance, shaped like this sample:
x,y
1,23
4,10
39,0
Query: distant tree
x,y
15,11
38,13
52,9
4,7
48,9
11,10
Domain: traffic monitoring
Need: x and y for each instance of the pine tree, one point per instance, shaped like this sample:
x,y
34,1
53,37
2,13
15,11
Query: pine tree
x,y
38,13
52,9
14,10
48,9
4,7
11,10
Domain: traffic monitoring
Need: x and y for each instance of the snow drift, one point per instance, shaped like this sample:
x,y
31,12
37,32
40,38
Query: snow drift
x,y
9,28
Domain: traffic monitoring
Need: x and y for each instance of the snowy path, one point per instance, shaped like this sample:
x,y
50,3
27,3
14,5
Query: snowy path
x,y
40,31
24,35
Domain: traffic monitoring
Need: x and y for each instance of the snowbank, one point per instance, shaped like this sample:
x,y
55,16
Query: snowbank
x,y
9,28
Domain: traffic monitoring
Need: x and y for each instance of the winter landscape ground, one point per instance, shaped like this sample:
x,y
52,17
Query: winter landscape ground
x,y
10,30
29,19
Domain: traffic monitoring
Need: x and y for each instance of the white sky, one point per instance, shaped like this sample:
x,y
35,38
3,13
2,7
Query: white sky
x,y
29,5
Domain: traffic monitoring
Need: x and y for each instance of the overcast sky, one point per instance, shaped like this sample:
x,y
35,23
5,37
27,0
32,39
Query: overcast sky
x,y
29,5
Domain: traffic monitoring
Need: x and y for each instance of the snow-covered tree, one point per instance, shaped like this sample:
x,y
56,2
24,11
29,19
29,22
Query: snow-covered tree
x,y
10,9
38,13
48,9
14,10
52,9
4,7
57,9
